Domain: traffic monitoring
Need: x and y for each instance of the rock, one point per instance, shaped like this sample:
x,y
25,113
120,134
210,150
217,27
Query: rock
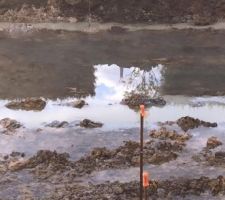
x,y
220,155
10,124
86,123
135,100
36,104
58,124
47,157
79,104
163,134
213,142
17,154
17,165
187,123
118,29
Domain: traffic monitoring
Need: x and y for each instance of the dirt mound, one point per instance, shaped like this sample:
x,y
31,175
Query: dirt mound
x,y
200,12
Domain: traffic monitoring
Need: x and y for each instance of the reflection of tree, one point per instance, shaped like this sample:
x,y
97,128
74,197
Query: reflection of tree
x,y
143,82
143,88
121,72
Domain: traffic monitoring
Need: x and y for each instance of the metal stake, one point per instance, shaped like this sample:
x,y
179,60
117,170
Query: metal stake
x,y
141,151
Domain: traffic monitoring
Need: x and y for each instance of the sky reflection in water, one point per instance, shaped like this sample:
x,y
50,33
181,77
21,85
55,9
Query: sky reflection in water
x,y
111,84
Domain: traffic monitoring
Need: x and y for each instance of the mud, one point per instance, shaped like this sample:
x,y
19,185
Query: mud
x,y
46,163
210,154
169,189
36,104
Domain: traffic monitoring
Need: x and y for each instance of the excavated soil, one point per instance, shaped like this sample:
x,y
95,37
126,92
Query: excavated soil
x,y
158,190
200,12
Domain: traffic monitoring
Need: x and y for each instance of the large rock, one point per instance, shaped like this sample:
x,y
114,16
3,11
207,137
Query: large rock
x,y
187,123
36,104
86,123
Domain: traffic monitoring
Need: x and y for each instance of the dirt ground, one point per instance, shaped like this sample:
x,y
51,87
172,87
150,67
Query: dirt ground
x,y
199,12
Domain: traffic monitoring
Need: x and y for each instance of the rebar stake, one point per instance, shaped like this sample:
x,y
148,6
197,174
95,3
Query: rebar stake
x,y
142,113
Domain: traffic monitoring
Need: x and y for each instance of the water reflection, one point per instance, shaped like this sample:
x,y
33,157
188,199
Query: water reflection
x,y
105,105
113,82
47,63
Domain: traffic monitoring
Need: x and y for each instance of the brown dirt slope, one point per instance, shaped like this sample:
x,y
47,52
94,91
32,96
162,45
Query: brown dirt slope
x,y
200,12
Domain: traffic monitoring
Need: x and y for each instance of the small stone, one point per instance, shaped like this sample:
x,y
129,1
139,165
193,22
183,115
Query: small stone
x,y
17,165
58,124
10,124
213,142
86,123
78,104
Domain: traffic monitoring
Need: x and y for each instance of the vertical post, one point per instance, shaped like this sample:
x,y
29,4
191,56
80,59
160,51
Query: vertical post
x,y
141,149
89,13
145,194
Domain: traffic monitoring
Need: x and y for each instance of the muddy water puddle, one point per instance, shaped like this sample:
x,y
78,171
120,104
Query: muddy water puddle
x,y
101,68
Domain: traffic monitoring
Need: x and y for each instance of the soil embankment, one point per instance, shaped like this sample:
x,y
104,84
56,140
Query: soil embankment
x,y
200,12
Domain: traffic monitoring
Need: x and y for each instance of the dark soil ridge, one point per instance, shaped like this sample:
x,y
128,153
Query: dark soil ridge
x,y
168,189
201,12
46,164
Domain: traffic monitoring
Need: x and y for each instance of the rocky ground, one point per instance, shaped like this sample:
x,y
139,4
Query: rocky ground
x,y
61,175
126,11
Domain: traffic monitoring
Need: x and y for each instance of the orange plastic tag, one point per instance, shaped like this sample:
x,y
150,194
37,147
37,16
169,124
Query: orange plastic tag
x,y
145,179
142,110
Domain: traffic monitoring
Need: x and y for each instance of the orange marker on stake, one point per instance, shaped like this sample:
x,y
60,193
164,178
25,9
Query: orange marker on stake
x,y
145,184
142,113
145,179
142,110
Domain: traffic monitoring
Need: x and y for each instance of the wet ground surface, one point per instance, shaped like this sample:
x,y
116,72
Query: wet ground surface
x,y
186,68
